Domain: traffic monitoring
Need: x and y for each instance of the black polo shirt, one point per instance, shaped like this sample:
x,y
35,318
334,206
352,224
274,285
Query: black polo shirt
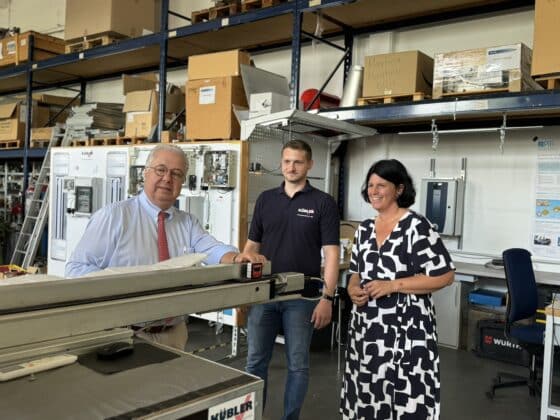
x,y
292,231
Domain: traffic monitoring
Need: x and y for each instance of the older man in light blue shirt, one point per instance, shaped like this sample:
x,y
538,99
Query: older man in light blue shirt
x,y
126,234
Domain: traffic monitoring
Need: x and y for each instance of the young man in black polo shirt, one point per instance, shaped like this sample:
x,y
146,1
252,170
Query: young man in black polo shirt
x,y
290,226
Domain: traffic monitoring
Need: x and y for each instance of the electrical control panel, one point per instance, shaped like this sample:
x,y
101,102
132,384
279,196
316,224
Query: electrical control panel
x,y
219,169
442,203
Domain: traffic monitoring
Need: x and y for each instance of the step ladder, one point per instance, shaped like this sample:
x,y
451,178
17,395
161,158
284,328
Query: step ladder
x,y
37,206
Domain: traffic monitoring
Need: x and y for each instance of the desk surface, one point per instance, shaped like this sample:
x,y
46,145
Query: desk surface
x,y
479,270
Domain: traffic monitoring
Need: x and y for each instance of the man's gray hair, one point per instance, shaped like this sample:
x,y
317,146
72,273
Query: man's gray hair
x,y
164,147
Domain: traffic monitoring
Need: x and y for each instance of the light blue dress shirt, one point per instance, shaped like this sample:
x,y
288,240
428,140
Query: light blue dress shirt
x,y
125,234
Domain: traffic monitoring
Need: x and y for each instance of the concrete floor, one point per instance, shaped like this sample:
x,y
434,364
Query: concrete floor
x,y
465,379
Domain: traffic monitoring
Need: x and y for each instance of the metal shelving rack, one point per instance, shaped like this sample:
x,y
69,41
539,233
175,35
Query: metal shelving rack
x,y
286,24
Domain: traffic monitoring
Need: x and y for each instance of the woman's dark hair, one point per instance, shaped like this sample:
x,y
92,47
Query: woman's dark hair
x,y
395,172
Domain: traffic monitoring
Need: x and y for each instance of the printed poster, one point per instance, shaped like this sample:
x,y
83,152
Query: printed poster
x,y
546,232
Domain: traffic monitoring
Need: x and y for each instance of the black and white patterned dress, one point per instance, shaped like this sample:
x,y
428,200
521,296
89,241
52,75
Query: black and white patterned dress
x,y
392,360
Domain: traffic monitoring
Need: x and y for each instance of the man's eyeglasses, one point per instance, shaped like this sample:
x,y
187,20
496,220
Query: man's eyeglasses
x,y
162,170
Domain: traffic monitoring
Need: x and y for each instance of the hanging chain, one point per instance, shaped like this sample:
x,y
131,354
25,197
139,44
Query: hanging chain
x,y
502,130
435,135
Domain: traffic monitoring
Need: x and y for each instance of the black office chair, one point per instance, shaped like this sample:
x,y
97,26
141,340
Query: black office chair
x,y
521,305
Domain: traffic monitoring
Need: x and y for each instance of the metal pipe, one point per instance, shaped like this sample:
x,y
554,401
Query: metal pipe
x,y
471,130
296,57
28,116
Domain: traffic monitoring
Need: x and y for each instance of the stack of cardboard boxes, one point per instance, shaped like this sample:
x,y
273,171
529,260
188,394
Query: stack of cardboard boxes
x,y
214,86
44,109
15,49
504,68
141,104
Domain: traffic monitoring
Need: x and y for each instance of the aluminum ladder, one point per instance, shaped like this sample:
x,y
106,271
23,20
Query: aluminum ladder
x,y
37,207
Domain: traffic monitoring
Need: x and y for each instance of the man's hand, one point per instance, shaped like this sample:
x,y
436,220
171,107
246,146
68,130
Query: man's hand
x,y
322,314
250,257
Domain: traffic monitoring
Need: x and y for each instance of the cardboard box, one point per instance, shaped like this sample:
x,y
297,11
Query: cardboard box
x,y
221,64
402,73
546,59
44,133
15,49
267,103
210,108
142,103
141,109
59,107
495,69
11,128
168,136
12,119
129,18
174,98
50,100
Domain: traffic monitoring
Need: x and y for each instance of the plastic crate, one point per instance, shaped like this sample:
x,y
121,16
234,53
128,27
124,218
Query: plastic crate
x,y
486,297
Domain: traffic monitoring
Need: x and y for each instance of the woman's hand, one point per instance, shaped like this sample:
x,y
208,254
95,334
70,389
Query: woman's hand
x,y
358,295
379,288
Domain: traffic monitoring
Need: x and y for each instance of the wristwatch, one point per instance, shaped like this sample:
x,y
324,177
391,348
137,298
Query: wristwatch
x,y
327,297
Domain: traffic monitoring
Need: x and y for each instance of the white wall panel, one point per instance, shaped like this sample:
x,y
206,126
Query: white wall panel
x,y
499,197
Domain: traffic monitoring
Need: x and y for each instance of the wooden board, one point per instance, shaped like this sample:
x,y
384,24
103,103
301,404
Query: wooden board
x,y
247,5
35,143
481,92
221,10
92,41
10,144
108,141
389,99
549,82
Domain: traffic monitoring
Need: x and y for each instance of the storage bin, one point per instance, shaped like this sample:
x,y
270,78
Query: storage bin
x,y
486,297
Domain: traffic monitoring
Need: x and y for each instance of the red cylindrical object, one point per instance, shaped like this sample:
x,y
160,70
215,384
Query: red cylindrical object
x,y
324,100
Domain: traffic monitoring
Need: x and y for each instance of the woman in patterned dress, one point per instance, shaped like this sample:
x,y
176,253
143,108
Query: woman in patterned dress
x,y
398,260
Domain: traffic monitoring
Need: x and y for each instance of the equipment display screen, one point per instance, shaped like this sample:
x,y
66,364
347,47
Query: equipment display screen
x,y
84,198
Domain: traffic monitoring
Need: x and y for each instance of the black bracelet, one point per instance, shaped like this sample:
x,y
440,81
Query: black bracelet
x,y
328,297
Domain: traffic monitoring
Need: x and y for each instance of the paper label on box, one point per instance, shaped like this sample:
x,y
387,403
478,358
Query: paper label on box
x,y
11,47
23,42
504,58
207,95
129,117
